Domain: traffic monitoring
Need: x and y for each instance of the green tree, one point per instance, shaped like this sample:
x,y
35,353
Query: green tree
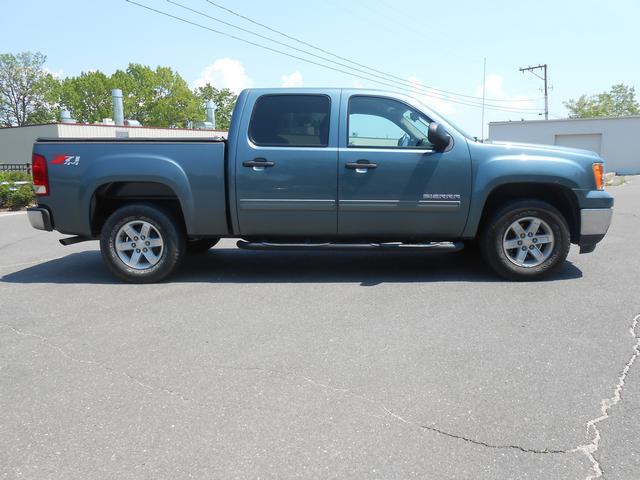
x,y
46,111
25,88
224,99
159,97
87,96
620,101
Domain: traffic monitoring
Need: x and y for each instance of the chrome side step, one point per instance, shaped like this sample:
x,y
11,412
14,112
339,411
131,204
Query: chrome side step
x,y
384,246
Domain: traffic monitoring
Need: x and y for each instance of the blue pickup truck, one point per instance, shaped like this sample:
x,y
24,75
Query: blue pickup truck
x,y
322,169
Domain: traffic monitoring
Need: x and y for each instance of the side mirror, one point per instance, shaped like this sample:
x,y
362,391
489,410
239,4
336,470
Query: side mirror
x,y
438,137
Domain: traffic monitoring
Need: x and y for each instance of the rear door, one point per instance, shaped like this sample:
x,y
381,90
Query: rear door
x,y
392,184
286,165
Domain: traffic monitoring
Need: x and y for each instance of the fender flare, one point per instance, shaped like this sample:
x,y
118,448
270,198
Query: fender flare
x,y
135,168
497,173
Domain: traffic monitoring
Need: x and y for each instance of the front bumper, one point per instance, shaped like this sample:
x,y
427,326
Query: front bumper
x,y
594,223
40,218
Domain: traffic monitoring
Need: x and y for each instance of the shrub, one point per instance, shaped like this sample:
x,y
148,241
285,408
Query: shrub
x,y
22,196
4,195
15,177
15,196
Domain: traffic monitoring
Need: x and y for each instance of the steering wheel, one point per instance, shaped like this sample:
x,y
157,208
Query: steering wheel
x,y
404,140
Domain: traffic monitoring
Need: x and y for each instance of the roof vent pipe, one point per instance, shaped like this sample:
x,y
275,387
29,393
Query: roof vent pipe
x,y
211,113
118,107
65,117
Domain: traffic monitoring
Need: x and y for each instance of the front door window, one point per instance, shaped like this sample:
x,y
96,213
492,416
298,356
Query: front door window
x,y
376,122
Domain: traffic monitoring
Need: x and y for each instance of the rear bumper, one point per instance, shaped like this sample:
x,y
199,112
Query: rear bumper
x,y
594,223
40,218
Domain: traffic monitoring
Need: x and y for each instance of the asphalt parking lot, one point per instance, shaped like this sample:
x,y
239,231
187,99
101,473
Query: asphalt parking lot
x,y
319,365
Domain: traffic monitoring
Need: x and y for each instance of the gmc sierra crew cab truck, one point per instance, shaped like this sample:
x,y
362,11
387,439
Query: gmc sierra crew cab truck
x,y
322,169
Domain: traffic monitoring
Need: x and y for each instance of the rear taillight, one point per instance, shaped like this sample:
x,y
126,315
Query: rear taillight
x,y
40,174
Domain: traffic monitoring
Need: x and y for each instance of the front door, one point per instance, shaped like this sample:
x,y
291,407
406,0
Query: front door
x,y
286,166
392,184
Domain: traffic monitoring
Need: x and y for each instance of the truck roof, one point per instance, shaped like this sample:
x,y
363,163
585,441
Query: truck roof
x,y
134,139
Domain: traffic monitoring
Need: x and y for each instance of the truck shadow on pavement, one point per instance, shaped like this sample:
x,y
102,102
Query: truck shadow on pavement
x,y
231,265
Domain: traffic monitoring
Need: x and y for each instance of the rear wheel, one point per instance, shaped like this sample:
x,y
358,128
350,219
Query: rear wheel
x,y
141,243
525,240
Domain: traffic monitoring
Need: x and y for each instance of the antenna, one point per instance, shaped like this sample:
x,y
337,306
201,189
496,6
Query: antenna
x,y
484,89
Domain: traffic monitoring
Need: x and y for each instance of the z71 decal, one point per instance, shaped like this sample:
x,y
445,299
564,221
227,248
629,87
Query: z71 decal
x,y
72,160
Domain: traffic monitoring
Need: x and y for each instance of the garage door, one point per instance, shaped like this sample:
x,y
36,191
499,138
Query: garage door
x,y
587,141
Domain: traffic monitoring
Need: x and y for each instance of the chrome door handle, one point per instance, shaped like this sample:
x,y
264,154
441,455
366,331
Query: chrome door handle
x,y
258,162
361,164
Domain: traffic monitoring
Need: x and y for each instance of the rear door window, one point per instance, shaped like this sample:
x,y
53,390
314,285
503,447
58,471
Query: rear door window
x,y
291,121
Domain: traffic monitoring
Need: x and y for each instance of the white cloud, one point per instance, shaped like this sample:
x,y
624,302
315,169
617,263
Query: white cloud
x,y
55,74
431,97
495,91
494,86
292,80
225,73
357,83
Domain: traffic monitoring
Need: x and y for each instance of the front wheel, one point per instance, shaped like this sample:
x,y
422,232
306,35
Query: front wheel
x,y
141,243
525,240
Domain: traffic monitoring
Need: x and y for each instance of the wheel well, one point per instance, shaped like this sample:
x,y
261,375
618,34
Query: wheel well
x,y
109,197
560,197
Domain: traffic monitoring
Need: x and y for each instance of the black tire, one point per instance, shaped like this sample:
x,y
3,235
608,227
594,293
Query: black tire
x,y
167,228
471,248
498,257
201,245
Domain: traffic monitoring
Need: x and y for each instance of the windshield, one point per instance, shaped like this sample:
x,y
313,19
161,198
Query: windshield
x,y
461,131
453,124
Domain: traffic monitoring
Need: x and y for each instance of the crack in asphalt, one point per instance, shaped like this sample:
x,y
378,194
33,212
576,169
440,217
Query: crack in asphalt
x,y
588,449
489,445
283,374
606,404
45,341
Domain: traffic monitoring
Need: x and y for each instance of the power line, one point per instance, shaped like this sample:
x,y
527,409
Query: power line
x,y
412,85
386,74
412,91
377,5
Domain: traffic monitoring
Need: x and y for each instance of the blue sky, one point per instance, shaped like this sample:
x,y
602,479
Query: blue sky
x,y
588,45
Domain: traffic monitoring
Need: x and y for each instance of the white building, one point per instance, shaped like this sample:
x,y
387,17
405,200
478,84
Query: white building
x,y
16,142
614,139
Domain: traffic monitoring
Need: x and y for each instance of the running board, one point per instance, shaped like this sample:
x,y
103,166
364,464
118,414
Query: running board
x,y
385,246
72,240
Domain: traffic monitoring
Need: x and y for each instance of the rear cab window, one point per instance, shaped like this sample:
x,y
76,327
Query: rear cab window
x,y
291,120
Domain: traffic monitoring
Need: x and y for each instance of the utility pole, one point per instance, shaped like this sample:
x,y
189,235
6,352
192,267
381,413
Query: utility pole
x,y
546,91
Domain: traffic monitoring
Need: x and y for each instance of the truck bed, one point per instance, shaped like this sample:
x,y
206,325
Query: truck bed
x,y
192,171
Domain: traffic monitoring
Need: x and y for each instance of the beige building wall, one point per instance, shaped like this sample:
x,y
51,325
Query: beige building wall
x,y
66,130
614,139
16,143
